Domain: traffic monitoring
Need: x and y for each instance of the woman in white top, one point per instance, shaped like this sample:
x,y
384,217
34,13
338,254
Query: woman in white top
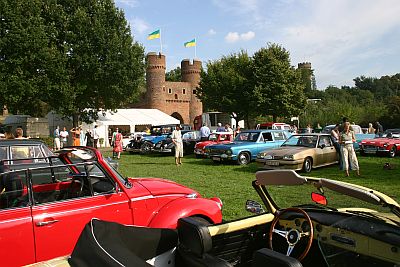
x,y
346,140
177,140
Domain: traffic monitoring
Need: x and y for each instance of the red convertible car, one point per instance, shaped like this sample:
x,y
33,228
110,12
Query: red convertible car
x,y
381,145
214,138
44,209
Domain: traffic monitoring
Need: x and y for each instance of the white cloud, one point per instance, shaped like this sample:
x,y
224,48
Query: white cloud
x,y
139,25
212,32
129,3
247,36
233,37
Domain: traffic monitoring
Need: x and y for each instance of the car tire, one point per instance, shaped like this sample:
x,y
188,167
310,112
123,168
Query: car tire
x,y
243,158
145,148
392,152
307,165
198,156
201,220
362,153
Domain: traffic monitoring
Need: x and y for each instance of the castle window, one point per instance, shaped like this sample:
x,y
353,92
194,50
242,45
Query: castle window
x,y
176,96
163,88
169,91
184,91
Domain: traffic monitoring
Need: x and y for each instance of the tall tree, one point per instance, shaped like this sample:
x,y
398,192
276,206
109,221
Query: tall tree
x,y
25,57
278,88
104,66
228,86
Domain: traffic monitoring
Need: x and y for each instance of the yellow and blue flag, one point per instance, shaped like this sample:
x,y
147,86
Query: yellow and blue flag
x,y
190,43
154,35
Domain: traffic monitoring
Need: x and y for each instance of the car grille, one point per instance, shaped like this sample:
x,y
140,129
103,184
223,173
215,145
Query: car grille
x,y
369,147
217,151
277,157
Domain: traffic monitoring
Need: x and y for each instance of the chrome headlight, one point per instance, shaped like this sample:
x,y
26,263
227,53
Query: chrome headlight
x,y
268,156
288,157
228,152
207,150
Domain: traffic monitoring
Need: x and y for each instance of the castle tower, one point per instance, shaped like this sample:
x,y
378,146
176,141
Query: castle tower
x,y
155,81
304,65
191,73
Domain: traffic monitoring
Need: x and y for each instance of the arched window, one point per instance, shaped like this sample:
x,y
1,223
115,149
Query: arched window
x,y
169,91
184,91
176,96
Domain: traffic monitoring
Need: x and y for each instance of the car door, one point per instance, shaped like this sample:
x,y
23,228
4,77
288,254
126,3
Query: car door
x,y
64,206
325,150
16,238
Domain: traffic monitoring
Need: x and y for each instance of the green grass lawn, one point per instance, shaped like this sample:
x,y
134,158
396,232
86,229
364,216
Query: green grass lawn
x,y
232,183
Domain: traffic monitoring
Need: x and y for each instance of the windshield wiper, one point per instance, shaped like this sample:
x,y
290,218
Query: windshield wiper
x,y
314,206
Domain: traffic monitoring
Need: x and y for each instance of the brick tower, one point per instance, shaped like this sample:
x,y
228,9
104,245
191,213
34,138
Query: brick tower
x,y
177,99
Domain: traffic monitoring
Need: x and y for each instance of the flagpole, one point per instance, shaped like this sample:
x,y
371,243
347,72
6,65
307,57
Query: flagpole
x,y
160,42
195,48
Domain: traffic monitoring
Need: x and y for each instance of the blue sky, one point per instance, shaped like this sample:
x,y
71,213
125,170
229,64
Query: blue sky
x,y
342,39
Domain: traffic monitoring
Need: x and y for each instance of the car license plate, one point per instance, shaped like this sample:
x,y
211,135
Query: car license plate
x,y
272,163
216,158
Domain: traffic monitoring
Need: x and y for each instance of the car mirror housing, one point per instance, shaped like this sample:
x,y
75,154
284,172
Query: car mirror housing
x,y
319,198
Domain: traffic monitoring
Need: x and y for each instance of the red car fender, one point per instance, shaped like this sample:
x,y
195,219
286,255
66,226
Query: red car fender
x,y
168,215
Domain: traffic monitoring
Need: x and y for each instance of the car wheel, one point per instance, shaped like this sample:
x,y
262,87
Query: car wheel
x,y
243,158
362,153
201,220
198,156
307,165
145,148
392,152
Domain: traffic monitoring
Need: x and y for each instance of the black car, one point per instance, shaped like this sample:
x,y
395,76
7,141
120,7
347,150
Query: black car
x,y
189,138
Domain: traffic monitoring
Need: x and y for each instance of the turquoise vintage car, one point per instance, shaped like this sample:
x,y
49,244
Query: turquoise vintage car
x,y
246,146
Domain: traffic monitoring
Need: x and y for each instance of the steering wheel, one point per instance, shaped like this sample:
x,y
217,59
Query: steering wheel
x,y
293,236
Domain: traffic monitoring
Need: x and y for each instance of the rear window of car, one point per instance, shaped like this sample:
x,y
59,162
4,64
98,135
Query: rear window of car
x,y
3,153
26,152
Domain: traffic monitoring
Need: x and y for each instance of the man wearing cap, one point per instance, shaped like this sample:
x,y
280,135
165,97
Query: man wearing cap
x,y
177,140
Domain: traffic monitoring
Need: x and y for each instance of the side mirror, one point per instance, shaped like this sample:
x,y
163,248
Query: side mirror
x,y
254,207
319,198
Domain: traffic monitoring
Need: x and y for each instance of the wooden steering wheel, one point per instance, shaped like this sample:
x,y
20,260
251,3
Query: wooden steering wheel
x,y
293,236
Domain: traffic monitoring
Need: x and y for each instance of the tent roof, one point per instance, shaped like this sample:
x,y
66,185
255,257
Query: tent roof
x,y
136,117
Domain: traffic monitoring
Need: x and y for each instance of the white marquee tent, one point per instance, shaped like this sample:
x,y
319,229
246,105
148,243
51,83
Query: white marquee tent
x,y
128,117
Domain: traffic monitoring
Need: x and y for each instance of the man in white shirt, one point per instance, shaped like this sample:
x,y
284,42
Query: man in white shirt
x,y
64,137
95,136
177,140
204,132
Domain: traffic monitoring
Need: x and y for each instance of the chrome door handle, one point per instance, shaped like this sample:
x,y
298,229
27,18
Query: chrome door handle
x,y
46,223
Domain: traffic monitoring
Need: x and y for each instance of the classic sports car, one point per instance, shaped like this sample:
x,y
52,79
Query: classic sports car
x,y
388,145
307,222
300,152
214,138
44,209
246,146
189,139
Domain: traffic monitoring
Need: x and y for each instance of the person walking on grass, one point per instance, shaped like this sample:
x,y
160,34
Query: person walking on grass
x,y
117,144
177,140
346,140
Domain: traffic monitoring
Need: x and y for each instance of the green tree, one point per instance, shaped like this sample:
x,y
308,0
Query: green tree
x,y
228,86
278,85
104,66
173,75
26,59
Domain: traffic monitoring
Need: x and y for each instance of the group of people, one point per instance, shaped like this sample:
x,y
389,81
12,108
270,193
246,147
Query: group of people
x,y
343,138
205,130
79,138
19,134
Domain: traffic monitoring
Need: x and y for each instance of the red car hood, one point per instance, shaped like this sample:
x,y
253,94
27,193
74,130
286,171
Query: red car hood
x,y
157,187
204,143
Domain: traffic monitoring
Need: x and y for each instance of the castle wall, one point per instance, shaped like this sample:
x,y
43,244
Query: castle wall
x,y
173,97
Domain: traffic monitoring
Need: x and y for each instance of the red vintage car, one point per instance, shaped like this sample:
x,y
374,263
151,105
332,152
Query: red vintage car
x,y
214,138
44,209
381,145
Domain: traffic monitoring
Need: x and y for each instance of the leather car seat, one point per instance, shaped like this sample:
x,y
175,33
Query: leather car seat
x,y
194,244
267,257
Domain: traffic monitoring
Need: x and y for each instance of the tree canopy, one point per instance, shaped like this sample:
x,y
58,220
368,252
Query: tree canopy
x,y
72,55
